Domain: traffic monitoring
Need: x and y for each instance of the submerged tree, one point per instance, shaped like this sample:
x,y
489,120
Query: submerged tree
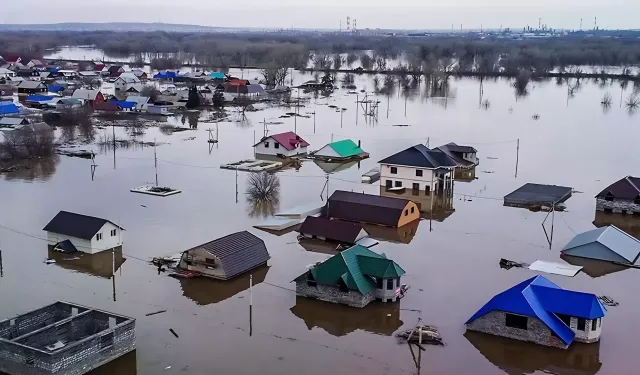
x,y
193,101
521,83
218,97
263,193
366,61
606,100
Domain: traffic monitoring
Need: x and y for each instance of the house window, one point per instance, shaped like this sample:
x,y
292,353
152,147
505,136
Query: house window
x,y
394,170
413,209
390,284
609,197
418,172
406,212
398,183
566,319
516,321
594,324
276,145
637,200
99,236
114,232
266,145
389,184
416,186
427,189
210,262
379,283
582,324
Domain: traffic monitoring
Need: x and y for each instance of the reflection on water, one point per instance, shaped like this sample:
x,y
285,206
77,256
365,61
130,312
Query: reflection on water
x,y
404,234
99,264
464,175
518,357
205,291
592,267
436,207
628,223
339,320
318,246
38,169
335,167
125,365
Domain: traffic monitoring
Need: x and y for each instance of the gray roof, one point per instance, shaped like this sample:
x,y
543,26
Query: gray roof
x,y
453,151
538,194
85,94
12,120
607,243
420,156
238,252
27,84
76,225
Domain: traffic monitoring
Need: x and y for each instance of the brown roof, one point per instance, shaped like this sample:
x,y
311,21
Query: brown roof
x,y
335,230
626,188
365,208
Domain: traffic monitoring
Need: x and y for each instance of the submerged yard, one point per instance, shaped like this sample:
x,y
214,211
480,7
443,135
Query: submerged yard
x,y
546,136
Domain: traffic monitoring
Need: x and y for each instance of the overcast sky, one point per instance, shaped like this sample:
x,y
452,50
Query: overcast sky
x,y
398,14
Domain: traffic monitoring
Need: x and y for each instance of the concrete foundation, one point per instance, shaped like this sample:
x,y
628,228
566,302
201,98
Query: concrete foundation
x,y
618,206
333,294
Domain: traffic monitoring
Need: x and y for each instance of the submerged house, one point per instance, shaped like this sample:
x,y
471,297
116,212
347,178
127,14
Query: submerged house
x,y
466,160
343,232
418,168
622,197
70,232
371,209
539,311
226,257
608,244
354,277
27,87
90,97
338,151
286,144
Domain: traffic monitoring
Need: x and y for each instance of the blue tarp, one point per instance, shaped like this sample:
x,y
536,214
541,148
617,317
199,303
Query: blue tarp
x,y
8,108
53,70
55,88
540,298
38,98
123,104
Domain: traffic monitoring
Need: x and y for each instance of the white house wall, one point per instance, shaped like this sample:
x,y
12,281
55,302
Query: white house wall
x,y
327,151
80,244
407,175
271,150
108,241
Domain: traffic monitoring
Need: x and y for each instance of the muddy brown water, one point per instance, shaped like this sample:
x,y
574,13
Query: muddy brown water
x,y
451,262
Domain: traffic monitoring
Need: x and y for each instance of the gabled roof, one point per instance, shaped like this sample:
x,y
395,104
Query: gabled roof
x,y
420,156
28,84
129,78
139,100
123,104
76,225
217,75
12,59
13,121
457,148
8,108
289,140
114,70
540,298
38,98
356,267
345,148
365,208
85,94
335,230
453,151
626,188
238,252
601,242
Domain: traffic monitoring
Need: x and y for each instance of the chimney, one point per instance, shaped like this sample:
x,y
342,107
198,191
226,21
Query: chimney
x,y
358,143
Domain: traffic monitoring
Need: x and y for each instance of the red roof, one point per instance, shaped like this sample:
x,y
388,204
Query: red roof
x,y
99,67
12,59
289,140
238,82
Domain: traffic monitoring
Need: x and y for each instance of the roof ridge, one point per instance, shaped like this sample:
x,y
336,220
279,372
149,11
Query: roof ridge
x,y
632,184
623,232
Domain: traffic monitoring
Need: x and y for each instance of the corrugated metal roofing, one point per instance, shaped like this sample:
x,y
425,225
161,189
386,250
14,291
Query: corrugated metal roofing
x,y
335,230
217,75
123,104
540,298
625,188
555,268
28,84
288,140
365,208
238,252
346,148
600,243
75,225
13,121
453,151
538,194
420,156
38,98
55,88
85,94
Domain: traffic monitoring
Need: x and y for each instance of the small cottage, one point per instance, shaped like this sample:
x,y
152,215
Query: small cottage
x,y
28,87
371,209
418,168
6,73
621,197
539,311
69,232
608,244
226,257
355,277
66,104
286,144
343,232
344,150
90,97
115,71
464,156
124,82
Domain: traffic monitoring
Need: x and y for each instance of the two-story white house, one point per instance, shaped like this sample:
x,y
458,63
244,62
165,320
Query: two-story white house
x,y
69,232
418,168
286,144
125,81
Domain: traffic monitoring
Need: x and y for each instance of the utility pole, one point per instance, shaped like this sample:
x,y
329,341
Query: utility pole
x,y
155,160
517,155
1,269
341,112
250,305
236,185
113,130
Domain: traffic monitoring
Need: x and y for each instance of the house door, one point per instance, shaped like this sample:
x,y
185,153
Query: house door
x,y
389,184
416,186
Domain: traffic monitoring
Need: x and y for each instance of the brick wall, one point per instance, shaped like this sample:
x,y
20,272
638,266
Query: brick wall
x,y
537,332
588,335
333,294
617,206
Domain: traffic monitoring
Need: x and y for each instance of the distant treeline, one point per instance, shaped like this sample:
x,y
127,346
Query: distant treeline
x,y
424,53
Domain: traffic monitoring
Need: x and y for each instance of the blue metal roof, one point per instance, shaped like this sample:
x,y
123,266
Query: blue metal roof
x,y
607,243
8,108
38,98
540,298
165,75
55,88
123,104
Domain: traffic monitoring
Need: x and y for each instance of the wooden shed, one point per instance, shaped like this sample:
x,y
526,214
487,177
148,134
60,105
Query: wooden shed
x,y
371,209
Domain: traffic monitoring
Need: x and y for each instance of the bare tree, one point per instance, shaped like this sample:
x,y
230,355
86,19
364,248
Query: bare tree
x,y
263,185
351,58
150,92
381,63
27,142
366,61
337,61
275,76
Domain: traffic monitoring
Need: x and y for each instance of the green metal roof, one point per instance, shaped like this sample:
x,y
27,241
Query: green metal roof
x,y
356,267
346,148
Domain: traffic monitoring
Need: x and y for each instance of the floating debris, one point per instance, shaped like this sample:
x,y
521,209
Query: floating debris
x,y
535,116
372,176
161,191
422,334
189,139
488,172
175,334
491,158
509,264
401,125
156,312
49,261
608,301
84,154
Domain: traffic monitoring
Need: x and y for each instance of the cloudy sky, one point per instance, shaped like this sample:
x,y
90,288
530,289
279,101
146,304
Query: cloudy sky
x,y
398,14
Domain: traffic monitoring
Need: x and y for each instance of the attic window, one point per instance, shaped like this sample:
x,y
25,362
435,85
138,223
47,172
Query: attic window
x,y
637,200
516,321
266,145
608,197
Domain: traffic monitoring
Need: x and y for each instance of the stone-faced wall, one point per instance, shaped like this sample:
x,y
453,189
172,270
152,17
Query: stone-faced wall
x,y
333,294
618,206
537,332
588,335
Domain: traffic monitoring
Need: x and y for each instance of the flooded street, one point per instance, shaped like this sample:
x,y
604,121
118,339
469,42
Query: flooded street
x,y
451,262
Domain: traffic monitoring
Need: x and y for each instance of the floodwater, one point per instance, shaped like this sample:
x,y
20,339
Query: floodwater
x,y
451,261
